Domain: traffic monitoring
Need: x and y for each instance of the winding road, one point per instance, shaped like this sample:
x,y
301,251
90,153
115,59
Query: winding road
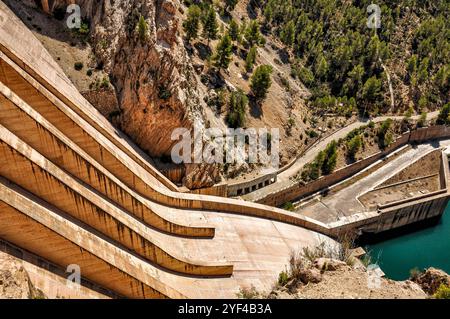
x,y
283,179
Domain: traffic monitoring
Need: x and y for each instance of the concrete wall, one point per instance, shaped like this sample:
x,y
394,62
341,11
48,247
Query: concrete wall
x,y
299,190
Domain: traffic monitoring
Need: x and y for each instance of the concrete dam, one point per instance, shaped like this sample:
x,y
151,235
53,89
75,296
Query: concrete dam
x,y
74,190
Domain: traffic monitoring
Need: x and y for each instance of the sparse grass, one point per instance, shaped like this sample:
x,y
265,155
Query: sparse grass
x,y
347,243
248,293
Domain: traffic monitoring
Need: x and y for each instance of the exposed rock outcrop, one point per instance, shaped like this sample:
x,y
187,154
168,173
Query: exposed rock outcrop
x,y
156,86
15,282
336,279
432,279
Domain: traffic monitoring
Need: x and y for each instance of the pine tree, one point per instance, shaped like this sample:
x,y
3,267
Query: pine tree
x,y
329,164
261,81
251,58
223,55
192,23
234,31
237,108
210,26
253,35
288,33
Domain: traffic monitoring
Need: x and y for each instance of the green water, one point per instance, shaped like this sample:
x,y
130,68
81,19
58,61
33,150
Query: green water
x,y
425,248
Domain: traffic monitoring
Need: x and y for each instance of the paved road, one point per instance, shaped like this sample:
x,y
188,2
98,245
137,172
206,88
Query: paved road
x,y
284,181
346,203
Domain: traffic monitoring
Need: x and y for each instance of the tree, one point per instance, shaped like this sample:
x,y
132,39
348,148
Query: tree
x,y
222,57
385,138
321,67
353,146
234,31
253,35
444,115
329,163
371,89
261,81
422,120
237,108
210,27
142,28
230,4
192,23
288,33
251,58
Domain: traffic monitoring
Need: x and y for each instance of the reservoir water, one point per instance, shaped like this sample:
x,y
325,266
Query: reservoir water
x,y
429,247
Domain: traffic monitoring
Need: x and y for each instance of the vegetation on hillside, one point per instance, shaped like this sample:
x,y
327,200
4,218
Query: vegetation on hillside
x,y
341,60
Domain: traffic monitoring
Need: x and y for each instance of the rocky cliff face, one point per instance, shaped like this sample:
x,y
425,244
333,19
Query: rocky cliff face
x,y
155,83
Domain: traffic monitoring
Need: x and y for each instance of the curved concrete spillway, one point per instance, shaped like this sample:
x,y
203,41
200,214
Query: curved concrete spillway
x,y
68,177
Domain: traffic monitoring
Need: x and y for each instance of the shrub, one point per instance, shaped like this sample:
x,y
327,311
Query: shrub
x,y
283,278
289,206
248,293
164,93
78,66
444,115
142,28
422,120
312,133
443,292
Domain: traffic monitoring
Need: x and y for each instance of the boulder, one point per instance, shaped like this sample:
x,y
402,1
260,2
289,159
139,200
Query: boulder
x,y
328,264
310,275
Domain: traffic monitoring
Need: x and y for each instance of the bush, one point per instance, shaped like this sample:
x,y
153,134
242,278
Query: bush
x,y
444,115
312,134
283,278
78,66
248,293
289,206
142,28
422,120
443,292
164,93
